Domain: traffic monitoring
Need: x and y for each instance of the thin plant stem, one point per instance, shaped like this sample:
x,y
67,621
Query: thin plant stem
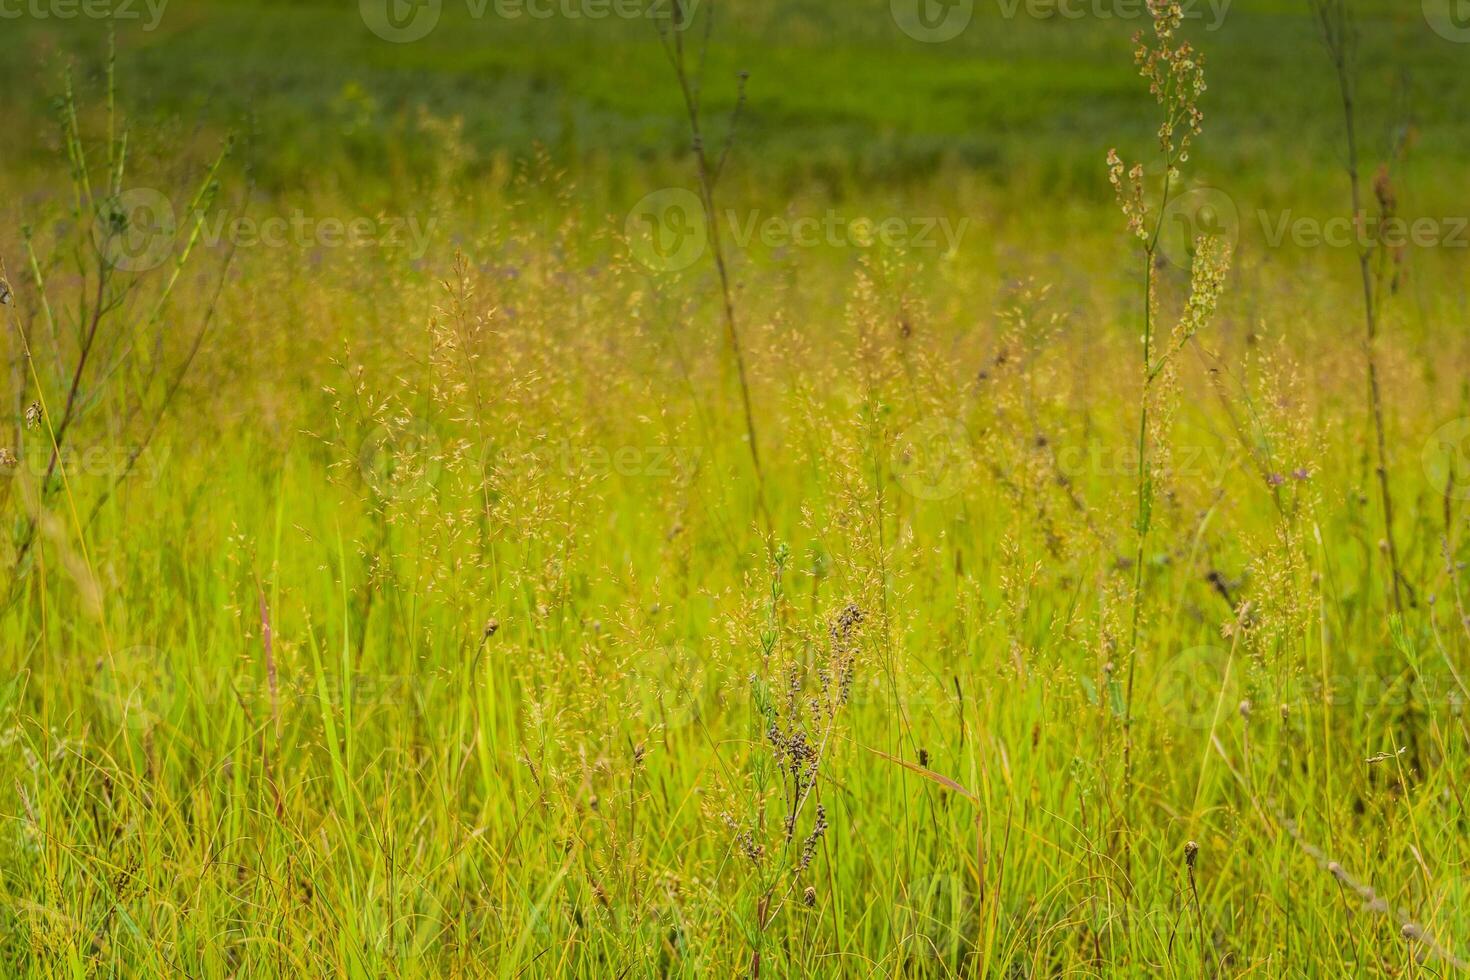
x,y
1337,35
708,179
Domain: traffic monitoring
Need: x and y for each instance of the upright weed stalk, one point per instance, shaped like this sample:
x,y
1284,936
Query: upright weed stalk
x,y
1339,36
799,707
1175,72
709,172
118,331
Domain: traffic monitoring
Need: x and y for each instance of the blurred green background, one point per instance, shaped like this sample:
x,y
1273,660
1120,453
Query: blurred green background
x,y
839,96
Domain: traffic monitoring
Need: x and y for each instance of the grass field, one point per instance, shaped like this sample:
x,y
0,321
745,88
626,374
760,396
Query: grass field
x,y
445,536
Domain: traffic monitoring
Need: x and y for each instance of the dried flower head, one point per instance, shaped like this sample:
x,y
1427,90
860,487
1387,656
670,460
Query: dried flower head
x,y
1176,79
1128,185
1388,200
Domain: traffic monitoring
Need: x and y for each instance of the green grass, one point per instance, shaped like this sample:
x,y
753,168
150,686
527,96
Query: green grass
x,y
257,722
837,91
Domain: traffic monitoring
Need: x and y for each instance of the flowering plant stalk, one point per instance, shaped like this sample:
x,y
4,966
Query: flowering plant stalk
x,y
1175,72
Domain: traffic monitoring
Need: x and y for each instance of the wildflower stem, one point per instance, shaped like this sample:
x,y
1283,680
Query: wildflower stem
x,y
708,176
1337,35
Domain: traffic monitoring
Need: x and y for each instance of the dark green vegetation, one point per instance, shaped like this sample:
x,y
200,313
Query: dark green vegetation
x,y
838,94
